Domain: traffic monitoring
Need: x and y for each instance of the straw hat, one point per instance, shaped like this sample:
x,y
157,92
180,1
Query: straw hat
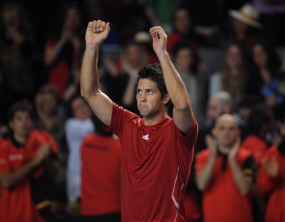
x,y
247,14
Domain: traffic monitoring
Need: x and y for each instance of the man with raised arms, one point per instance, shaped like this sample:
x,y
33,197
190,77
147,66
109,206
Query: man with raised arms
x,y
157,151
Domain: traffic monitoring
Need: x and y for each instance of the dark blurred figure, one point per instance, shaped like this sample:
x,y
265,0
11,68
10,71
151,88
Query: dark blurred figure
x,y
244,26
16,50
182,29
272,17
266,77
48,119
63,48
270,182
100,176
260,124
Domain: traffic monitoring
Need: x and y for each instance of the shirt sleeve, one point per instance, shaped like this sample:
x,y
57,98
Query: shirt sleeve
x,y
4,160
120,117
191,137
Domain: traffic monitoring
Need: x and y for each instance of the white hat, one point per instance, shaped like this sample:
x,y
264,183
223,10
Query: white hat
x,y
142,37
247,14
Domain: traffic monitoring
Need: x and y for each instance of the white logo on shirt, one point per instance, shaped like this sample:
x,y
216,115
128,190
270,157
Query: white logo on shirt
x,y
145,137
15,157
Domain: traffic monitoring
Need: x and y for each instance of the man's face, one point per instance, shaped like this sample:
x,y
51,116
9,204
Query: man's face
x,y
21,124
214,109
149,100
226,131
80,109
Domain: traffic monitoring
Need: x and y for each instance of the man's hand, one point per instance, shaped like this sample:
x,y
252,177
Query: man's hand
x,y
96,33
271,166
234,150
211,145
159,39
41,154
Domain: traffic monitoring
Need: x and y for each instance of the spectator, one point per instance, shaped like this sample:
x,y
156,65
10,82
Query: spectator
x,y
233,76
159,12
122,86
76,127
266,76
225,172
27,162
245,25
270,182
48,119
183,30
100,176
260,125
63,50
218,104
184,61
16,50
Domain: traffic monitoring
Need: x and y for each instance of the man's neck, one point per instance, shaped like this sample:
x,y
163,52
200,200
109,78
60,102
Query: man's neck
x,y
151,121
20,139
224,149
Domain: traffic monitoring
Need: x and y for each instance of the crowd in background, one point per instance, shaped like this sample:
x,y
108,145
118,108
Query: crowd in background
x,y
41,48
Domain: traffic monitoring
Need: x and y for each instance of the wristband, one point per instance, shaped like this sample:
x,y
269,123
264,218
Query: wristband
x,y
133,79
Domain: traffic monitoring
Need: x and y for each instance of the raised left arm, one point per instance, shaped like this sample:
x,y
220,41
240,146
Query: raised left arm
x,y
182,112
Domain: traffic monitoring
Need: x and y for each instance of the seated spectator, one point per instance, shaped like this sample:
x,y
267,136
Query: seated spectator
x,y
245,26
225,172
233,76
76,128
100,176
48,119
260,125
183,30
16,51
63,50
27,163
270,182
266,76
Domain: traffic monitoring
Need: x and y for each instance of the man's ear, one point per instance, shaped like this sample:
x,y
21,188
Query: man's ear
x,y
214,133
11,124
227,109
282,129
166,98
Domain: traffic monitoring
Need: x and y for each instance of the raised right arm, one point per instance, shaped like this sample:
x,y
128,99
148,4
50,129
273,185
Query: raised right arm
x,y
96,33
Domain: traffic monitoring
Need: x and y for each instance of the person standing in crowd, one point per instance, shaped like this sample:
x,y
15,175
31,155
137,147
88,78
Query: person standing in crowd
x,y
49,120
225,172
63,50
27,162
150,144
245,27
16,51
77,126
270,181
100,176
260,124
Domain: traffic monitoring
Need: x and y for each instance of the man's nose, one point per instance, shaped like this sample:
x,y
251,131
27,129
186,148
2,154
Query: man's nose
x,y
143,97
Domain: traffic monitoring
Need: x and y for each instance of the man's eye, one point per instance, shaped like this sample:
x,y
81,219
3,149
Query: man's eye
x,y
138,91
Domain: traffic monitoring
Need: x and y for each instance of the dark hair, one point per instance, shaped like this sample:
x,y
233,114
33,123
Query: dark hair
x,y
259,115
19,106
185,45
69,111
99,129
48,88
274,61
155,74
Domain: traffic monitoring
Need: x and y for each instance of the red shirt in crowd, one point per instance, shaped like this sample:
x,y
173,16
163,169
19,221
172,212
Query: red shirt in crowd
x,y
256,146
156,163
273,187
100,175
222,201
16,203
